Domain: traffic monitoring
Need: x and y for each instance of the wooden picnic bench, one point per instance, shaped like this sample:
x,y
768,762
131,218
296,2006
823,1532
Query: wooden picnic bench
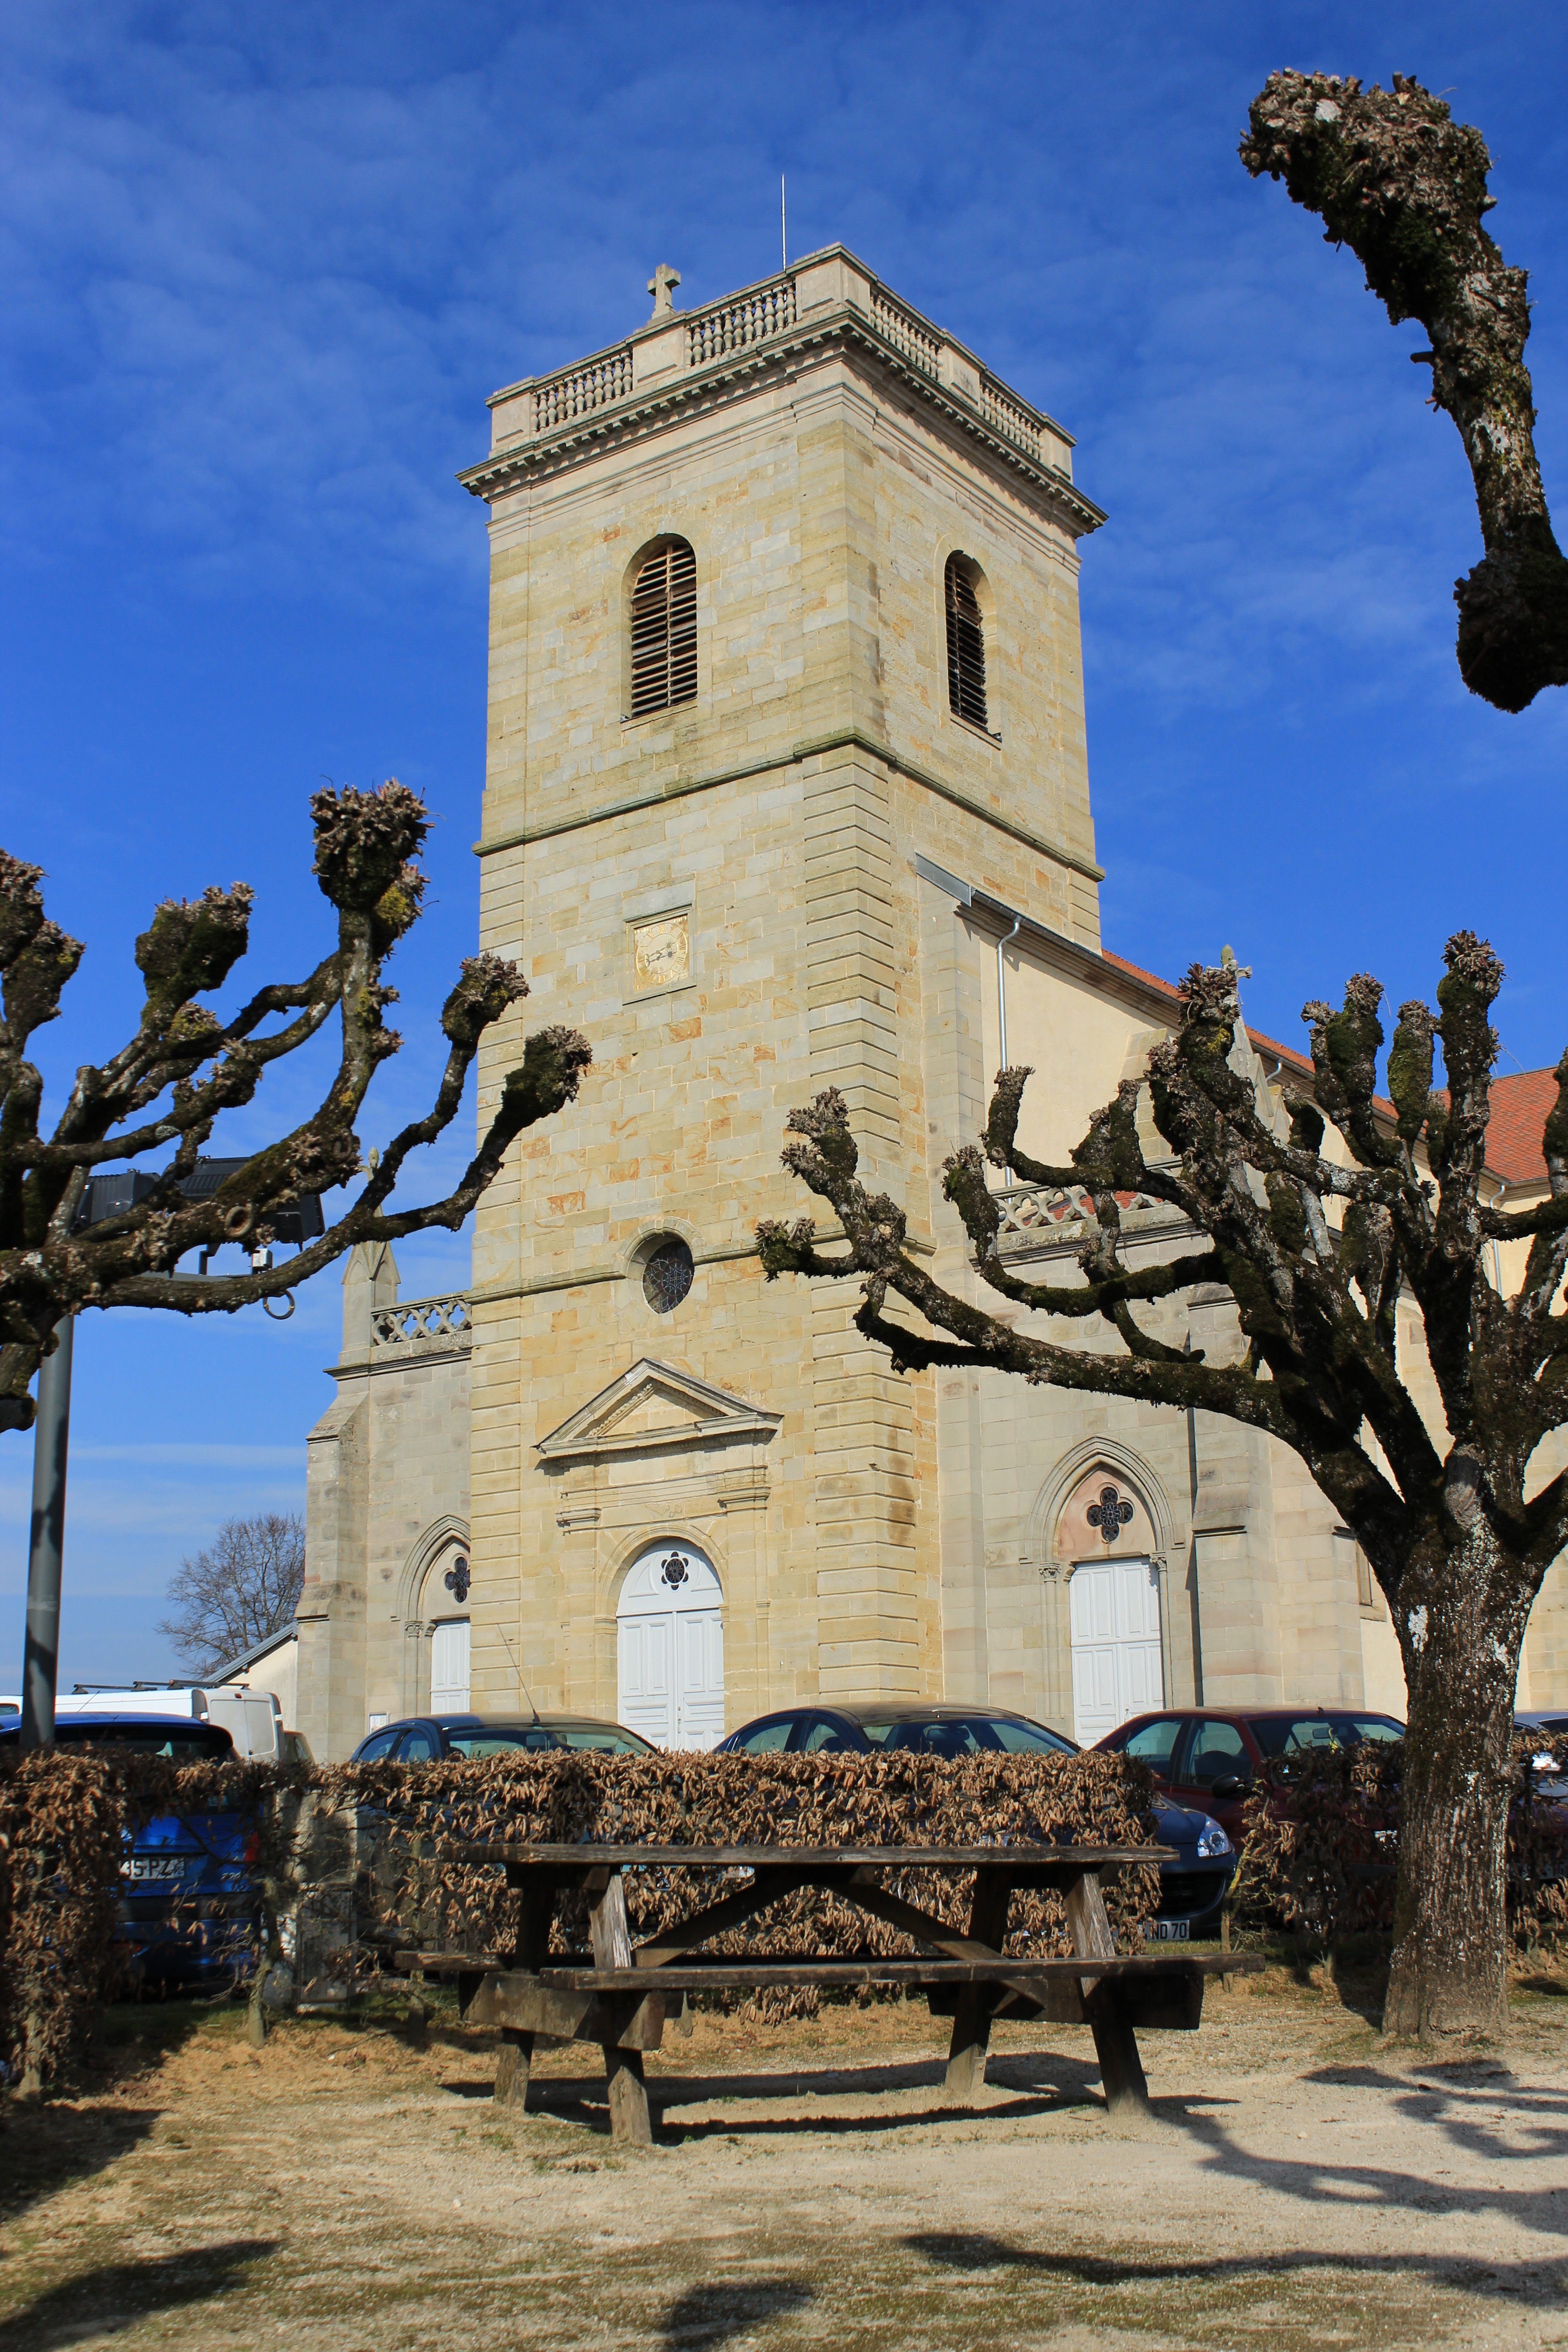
x,y
621,2000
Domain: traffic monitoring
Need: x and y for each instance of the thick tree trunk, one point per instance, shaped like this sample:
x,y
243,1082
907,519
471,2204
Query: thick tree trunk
x,y
1461,1647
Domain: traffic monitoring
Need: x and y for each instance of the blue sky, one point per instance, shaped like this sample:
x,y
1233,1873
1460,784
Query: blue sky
x,y
261,268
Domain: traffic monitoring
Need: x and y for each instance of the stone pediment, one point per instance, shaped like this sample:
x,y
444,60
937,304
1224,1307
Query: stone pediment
x,y
651,1405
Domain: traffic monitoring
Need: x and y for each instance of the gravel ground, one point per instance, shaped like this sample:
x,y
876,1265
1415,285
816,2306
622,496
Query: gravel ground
x,y
1302,2185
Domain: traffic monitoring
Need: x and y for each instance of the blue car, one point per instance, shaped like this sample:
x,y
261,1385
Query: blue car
x,y
188,1914
1192,1887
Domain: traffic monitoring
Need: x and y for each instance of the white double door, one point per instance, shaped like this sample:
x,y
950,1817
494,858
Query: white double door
x,y
450,1667
1116,1663
670,1646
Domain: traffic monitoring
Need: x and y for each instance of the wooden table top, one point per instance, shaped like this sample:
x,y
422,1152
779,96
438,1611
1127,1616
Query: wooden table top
x,y
823,1857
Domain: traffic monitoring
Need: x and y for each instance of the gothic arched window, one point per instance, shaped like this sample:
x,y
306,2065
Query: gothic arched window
x,y
664,629
965,644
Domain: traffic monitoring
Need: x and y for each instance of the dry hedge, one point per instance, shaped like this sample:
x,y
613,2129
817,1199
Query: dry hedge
x,y
63,1818
1320,1845
684,1800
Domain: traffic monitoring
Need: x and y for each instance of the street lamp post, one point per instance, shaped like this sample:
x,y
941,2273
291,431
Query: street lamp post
x,y
40,1656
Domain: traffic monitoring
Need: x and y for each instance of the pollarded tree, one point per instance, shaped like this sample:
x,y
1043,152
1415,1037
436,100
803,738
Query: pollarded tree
x,y
1395,177
1314,1250
184,1067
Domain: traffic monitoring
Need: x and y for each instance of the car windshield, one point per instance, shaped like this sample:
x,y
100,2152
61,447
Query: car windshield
x,y
606,1742
1279,1735
496,1739
966,1734
497,1743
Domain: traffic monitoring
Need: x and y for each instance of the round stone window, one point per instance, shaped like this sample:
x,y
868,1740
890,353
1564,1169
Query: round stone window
x,y
667,1276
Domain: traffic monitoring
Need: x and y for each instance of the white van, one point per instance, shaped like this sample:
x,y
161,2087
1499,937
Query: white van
x,y
253,1719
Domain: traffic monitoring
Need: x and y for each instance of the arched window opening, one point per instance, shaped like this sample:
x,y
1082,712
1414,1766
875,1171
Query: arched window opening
x,y
664,630
670,1625
966,646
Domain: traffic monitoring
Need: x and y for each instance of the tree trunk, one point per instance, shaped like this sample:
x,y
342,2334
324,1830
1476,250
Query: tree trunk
x,y
1464,1620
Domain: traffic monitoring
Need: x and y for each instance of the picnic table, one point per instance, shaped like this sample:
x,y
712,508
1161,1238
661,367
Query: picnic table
x,y
622,1999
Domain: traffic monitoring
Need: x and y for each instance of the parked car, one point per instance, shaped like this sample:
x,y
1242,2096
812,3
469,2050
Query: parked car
x,y
188,1916
1192,1887
421,1739
1213,1757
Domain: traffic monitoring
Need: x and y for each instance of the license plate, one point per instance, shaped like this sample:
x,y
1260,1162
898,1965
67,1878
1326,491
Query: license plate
x,y
155,1866
1171,1931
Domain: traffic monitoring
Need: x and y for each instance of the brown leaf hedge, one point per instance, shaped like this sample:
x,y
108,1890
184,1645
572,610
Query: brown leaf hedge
x,y
63,1819
1320,1842
776,1801
1320,1845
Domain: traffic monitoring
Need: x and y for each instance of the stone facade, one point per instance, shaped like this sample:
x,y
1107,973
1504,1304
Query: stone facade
x,y
387,1507
811,874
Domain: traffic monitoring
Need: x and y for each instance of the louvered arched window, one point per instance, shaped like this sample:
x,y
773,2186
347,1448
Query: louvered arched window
x,y
965,644
664,629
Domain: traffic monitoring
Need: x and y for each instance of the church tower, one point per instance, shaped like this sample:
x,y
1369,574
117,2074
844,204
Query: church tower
x,y
784,638
787,789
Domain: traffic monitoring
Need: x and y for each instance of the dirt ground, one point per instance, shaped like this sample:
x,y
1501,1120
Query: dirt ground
x,y
346,2191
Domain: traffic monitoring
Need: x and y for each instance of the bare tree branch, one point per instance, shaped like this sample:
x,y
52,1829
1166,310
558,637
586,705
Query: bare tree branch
x,y
188,1067
1442,1516
1395,178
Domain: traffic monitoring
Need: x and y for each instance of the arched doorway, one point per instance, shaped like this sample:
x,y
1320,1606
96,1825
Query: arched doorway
x,y
669,1637
447,1589
449,1666
1116,1669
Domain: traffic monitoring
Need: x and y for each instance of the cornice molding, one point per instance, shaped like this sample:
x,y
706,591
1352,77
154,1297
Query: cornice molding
x,y
849,329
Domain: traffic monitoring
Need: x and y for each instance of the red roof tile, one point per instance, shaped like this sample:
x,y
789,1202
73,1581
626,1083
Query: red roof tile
x,y
1519,1104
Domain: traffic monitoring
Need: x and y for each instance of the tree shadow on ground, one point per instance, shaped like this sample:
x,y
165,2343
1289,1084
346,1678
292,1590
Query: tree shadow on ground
x,y
118,2293
712,2315
1354,1969
44,2147
965,2250
1463,2114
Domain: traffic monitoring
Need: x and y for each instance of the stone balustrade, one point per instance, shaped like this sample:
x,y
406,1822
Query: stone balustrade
x,y
1046,1216
560,399
681,343
415,1323
734,325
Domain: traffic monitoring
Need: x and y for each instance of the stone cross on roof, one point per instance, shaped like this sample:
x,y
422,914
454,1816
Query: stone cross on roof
x,y
662,286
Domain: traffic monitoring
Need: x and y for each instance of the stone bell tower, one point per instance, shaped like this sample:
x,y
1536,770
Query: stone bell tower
x,y
783,618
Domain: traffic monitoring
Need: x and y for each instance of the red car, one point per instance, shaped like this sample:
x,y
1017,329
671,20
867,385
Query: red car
x,y
1209,1758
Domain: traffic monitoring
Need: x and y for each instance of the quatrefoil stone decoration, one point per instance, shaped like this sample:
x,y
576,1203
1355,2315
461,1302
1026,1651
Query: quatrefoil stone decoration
x,y
456,1581
1110,1515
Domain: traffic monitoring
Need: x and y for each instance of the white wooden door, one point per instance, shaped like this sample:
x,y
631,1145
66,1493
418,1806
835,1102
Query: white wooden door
x,y
450,1668
670,1642
1117,1668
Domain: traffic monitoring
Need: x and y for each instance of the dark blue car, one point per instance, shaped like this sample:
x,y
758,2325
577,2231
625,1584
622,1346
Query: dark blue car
x,y
188,1914
1192,1887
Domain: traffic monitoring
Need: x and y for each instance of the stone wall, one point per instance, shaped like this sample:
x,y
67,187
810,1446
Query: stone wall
x,y
387,1507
